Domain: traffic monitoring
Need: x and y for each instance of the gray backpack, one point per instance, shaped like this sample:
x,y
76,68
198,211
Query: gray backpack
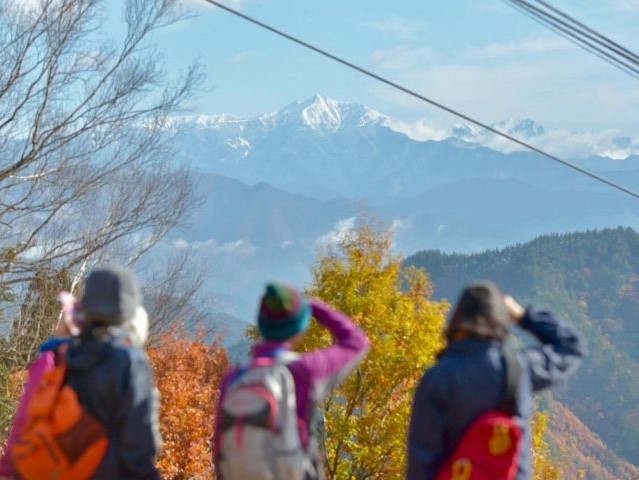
x,y
259,437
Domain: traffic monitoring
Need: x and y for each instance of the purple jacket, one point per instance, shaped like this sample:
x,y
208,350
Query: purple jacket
x,y
316,373
43,363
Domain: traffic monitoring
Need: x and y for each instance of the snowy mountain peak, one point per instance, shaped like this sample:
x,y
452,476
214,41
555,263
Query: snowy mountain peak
x,y
321,117
323,114
525,127
520,128
203,122
465,131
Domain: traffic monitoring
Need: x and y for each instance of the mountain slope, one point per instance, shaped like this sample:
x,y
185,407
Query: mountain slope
x,y
261,214
581,453
250,235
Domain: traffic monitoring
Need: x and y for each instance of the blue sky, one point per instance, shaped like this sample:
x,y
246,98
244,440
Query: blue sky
x,y
481,57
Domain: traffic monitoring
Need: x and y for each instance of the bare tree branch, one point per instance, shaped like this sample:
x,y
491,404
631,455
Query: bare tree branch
x,y
86,172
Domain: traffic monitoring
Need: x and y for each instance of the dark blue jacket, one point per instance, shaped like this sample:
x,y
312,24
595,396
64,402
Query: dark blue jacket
x,y
469,378
113,380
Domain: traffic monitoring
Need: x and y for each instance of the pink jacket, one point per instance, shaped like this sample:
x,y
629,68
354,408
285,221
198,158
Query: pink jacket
x,y
43,363
316,373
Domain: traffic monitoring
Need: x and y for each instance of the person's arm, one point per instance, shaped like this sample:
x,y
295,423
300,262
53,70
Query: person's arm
x,y
350,344
561,348
139,435
43,363
425,434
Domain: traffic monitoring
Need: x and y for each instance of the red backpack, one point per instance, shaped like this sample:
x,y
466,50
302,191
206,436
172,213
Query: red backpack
x,y
489,448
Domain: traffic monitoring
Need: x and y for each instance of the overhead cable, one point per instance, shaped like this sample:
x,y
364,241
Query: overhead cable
x,y
612,43
430,101
579,34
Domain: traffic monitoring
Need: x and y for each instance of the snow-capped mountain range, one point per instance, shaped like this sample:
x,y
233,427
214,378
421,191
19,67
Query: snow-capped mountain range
x,y
567,144
277,185
325,116
326,149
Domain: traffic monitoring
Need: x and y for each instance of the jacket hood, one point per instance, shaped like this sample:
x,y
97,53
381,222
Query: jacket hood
x,y
269,347
93,347
468,345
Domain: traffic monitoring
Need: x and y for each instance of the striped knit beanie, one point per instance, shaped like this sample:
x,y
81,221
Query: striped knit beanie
x,y
284,311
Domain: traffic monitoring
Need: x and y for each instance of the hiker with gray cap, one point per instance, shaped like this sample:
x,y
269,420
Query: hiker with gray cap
x,y
112,376
478,373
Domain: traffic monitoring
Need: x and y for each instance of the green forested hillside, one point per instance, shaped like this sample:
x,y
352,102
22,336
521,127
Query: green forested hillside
x,y
591,278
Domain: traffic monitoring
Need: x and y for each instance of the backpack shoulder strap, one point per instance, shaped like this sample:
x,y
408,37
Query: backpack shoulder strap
x,y
278,356
60,353
286,356
513,374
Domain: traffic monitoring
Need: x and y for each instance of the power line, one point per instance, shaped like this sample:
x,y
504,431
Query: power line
x,y
580,34
605,39
412,93
585,37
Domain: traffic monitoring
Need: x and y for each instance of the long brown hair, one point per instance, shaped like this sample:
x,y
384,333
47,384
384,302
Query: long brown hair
x,y
480,312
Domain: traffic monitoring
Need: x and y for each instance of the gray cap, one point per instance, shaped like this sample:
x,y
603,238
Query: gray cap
x,y
111,295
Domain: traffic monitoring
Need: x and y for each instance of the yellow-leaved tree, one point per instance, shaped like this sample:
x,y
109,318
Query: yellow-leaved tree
x,y
544,466
366,417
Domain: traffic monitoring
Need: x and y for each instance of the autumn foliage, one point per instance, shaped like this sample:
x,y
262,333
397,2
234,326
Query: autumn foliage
x,y
543,464
366,418
187,371
11,387
582,453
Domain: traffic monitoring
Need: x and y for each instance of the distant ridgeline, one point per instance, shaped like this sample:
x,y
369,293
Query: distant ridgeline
x,y
592,278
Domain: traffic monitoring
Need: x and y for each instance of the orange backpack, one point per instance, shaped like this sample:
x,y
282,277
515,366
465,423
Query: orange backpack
x,y
60,439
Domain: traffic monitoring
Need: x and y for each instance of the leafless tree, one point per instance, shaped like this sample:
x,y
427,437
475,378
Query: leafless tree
x,y
85,157
86,171
172,294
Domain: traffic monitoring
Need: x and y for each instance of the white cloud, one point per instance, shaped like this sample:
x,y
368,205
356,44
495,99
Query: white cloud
x,y
338,233
560,138
400,224
423,129
563,143
565,90
397,27
524,47
286,243
241,247
570,145
240,57
401,57
211,246
180,244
